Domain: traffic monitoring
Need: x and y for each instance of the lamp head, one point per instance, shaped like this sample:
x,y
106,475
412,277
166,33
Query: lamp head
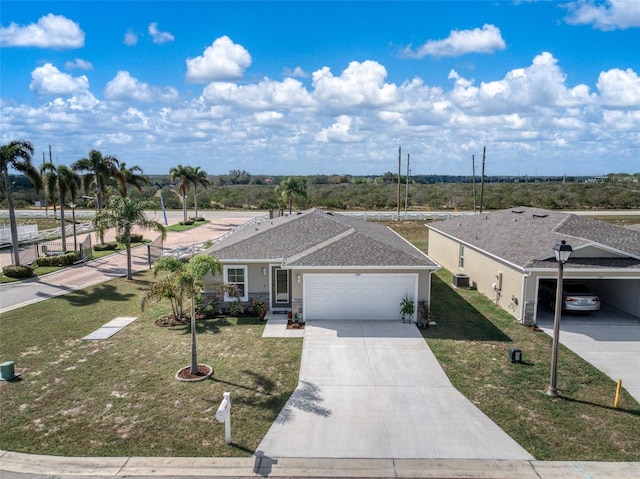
x,y
562,251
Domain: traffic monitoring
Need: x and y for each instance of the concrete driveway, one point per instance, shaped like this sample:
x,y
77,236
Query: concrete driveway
x,y
609,339
375,390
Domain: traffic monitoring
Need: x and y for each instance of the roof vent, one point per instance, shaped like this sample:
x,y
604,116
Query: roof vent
x,y
539,216
515,219
328,213
518,212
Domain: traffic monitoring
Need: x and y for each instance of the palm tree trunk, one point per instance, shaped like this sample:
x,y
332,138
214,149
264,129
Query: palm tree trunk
x,y
194,352
12,219
184,206
127,243
63,232
195,200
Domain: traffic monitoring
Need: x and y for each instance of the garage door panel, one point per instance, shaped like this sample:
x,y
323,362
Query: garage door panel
x,y
356,296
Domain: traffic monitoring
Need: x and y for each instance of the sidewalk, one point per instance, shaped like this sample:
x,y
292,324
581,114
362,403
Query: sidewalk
x,y
263,466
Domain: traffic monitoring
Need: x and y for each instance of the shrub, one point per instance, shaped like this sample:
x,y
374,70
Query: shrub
x,y
186,223
105,246
18,272
60,260
135,238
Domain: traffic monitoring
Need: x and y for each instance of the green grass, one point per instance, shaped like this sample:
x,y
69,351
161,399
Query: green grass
x,y
123,389
472,340
179,227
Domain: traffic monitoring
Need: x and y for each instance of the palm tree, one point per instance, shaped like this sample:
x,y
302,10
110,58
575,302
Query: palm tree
x,y
17,155
67,182
129,176
198,177
97,170
123,214
292,188
184,175
183,279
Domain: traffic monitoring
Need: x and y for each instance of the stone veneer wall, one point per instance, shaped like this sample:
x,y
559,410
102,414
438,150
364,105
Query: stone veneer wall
x,y
208,296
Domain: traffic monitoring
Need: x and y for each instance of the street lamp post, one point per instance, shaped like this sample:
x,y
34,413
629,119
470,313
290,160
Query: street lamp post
x,y
562,252
73,218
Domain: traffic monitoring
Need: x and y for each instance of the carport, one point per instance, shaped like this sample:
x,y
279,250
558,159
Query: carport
x,y
616,289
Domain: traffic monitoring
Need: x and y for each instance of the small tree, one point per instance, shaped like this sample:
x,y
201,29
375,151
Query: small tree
x,y
123,214
290,189
184,280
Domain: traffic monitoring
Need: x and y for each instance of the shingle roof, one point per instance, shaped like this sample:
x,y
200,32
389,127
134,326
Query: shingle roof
x,y
318,238
523,235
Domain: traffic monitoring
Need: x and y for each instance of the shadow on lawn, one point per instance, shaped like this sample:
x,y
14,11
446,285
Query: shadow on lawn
x,y
633,412
102,292
457,319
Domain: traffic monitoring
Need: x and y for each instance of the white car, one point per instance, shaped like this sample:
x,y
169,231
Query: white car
x,y
576,296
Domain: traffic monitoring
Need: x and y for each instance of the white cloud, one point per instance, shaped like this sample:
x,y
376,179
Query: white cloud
x,y
267,116
223,60
540,85
340,131
78,63
158,36
51,31
130,38
607,15
351,123
460,42
124,87
297,72
619,88
289,93
360,84
48,80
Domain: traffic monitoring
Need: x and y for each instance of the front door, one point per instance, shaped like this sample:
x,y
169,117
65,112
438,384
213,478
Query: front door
x,y
281,288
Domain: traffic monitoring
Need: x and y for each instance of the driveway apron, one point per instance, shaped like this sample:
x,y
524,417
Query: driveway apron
x,y
375,390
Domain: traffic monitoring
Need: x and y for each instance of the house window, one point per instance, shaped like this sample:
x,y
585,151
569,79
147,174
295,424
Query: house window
x,y
461,261
236,275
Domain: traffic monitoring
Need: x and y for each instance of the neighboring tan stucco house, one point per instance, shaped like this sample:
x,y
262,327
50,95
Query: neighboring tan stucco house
x,y
505,254
324,266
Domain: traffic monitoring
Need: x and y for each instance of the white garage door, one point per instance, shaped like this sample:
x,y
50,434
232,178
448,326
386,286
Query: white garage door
x,y
356,296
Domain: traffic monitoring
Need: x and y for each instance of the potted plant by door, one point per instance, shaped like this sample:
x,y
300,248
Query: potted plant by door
x,y
407,308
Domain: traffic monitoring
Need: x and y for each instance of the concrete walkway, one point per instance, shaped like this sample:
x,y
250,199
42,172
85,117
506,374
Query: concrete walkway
x,y
375,390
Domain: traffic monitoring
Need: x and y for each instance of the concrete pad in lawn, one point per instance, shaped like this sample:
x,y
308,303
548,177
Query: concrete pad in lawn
x,y
375,390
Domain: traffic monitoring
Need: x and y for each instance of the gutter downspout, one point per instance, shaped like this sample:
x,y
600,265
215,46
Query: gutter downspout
x,y
523,304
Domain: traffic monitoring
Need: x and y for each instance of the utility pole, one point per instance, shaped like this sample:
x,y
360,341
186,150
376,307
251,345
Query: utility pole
x,y
406,190
46,201
55,213
399,173
484,152
473,172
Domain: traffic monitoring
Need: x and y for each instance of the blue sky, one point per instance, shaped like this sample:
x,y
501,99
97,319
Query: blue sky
x,y
303,87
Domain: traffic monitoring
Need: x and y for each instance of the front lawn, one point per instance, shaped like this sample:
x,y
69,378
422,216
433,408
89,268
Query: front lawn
x,y
123,389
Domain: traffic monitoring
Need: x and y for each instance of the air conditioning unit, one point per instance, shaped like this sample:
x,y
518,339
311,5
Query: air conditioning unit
x,y
461,281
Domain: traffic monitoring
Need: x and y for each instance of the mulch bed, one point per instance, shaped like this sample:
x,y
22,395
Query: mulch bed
x,y
204,372
169,322
292,325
